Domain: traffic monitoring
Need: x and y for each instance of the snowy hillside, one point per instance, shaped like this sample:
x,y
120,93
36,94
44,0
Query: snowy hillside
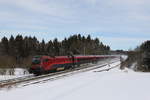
x,y
92,85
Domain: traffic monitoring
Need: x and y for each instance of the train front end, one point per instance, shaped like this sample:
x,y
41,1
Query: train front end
x,y
36,66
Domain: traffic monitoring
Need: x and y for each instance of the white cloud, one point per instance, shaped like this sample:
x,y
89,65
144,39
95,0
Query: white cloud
x,y
38,6
91,2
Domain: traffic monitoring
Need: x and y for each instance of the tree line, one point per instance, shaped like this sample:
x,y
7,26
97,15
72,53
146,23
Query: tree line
x,y
140,57
21,48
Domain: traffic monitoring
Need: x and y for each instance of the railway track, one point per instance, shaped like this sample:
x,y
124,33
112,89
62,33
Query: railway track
x,y
73,72
31,79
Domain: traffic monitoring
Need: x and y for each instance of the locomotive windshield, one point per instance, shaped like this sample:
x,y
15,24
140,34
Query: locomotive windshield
x,y
36,60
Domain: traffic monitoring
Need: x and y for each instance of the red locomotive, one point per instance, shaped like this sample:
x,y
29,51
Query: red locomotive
x,y
45,64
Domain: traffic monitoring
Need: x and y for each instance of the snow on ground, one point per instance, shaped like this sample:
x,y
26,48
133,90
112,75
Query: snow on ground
x,y
16,72
107,85
6,77
124,57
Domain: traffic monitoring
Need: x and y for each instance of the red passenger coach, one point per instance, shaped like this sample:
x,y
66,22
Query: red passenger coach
x,y
45,64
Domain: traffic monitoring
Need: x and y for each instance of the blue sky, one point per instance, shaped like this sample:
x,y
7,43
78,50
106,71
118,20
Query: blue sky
x,y
122,24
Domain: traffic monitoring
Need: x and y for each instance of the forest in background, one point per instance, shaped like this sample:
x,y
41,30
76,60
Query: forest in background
x,y
18,51
139,57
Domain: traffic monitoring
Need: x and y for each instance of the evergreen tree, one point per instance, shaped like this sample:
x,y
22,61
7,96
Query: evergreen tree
x,y
19,49
56,47
43,47
49,48
12,46
5,46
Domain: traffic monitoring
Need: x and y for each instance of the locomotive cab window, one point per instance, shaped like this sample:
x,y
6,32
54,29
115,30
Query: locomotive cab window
x,y
45,60
36,61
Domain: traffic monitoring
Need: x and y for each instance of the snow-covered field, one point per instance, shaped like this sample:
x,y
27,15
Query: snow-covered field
x,y
92,85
